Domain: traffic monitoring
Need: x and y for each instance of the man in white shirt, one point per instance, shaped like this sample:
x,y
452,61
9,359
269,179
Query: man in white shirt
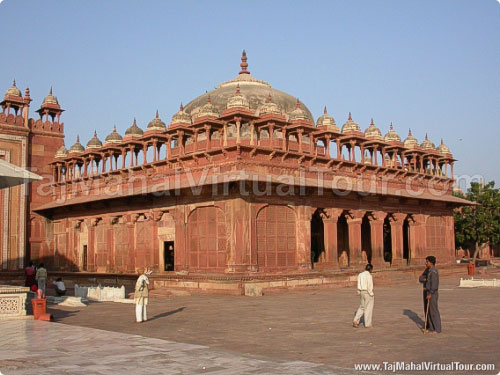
x,y
365,289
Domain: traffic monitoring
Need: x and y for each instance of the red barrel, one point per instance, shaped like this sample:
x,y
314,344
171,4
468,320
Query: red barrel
x,y
471,269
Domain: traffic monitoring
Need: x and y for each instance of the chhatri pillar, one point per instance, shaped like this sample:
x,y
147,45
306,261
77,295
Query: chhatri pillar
x,y
376,219
330,220
354,221
396,220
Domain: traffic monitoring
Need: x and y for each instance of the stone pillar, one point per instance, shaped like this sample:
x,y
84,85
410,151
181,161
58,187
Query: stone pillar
x,y
396,221
252,130
239,217
330,221
354,221
238,132
169,147
304,216
181,261
209,138
299,138
377,237
417,239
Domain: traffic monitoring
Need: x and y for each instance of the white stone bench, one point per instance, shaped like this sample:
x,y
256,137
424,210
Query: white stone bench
x,y
100,293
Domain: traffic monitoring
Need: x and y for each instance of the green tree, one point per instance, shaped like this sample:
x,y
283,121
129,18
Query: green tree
x,y
479,223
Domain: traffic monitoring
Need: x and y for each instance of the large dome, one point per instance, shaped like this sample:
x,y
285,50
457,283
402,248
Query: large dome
x,y
255,91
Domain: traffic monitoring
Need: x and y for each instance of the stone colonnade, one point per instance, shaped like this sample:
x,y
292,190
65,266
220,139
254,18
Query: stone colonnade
x,y
235,236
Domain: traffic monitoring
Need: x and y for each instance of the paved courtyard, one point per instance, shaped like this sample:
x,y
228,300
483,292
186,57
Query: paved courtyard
x,y
303,332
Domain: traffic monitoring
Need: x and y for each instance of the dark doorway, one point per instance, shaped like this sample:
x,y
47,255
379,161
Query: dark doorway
x,y
318,254
168,255
366,238
406,241
343,241
387,241
84,265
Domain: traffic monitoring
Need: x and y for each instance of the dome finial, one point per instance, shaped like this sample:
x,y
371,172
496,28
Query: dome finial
x,y
372,123
157,114
95,133
50,93
244,64
114,128
442,141
426,137
297,105
181,108
135,122
14,83
409,133
391,127
77,139
350,117
325,111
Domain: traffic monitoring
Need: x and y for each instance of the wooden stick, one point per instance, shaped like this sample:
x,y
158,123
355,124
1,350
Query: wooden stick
x,y
426,315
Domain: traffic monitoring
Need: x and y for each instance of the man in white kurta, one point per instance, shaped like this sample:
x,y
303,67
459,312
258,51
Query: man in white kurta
x,y
365,289
141,296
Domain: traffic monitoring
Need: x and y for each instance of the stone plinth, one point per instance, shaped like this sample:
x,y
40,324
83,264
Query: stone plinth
x,y
100,293
13,302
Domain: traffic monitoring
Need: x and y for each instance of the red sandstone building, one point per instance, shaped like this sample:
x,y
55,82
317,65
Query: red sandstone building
x,y
242,180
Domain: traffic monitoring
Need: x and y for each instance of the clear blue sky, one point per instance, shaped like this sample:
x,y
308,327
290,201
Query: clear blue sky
x,y
432,66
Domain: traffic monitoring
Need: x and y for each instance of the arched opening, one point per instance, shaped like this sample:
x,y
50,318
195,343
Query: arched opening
x,y
406,241
366,243
318,254
343,241
387,241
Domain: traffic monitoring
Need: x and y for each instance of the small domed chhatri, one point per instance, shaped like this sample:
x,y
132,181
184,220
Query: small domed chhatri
x,y
181,117
94,142
157,124
13,91
77,147
298,113
443,149
427,144
61,152
208,110
391,135
269,107
134,131
411,141
113,137
372,132
328,121
350,126
50,99
237,100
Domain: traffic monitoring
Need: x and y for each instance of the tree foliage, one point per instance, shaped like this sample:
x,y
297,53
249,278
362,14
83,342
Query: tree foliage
x,y
478,224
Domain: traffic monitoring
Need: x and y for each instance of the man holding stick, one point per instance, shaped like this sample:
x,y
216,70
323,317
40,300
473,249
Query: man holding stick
x,y
430,281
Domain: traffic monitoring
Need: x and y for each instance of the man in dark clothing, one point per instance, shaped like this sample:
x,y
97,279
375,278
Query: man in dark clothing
x,y
430,280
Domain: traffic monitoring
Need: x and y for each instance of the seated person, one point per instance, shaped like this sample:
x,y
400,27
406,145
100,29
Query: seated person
x,y
59,287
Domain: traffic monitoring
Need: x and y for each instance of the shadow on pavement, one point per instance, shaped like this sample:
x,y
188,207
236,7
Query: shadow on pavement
x,y
413,316
166,313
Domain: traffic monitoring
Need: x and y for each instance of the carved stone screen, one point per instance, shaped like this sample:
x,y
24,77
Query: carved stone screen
x,y
207,239
276,238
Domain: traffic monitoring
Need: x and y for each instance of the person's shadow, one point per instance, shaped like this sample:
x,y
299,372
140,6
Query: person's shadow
x,y
413,316
166,313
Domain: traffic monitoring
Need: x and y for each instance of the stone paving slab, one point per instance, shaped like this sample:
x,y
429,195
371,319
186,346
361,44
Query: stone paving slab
x,y
44,348
302,332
